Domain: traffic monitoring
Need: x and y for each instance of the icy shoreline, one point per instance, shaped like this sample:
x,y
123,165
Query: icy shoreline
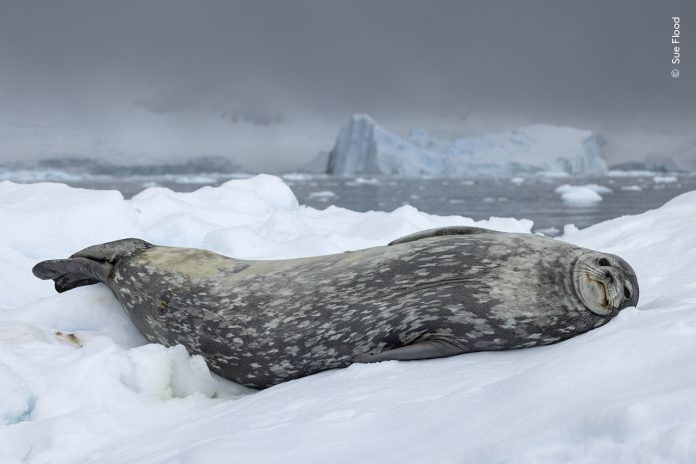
x,y
622,393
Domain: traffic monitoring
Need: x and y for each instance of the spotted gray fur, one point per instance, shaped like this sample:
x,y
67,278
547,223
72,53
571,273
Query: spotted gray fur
x,y
259,323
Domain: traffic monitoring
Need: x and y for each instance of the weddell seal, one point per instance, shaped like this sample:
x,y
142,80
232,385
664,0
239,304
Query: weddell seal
x,y
436,293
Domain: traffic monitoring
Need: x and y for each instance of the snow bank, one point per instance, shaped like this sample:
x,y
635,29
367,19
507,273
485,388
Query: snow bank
x,y
363,147
78,384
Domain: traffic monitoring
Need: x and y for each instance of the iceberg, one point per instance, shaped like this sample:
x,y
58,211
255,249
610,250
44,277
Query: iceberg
x,y
363,147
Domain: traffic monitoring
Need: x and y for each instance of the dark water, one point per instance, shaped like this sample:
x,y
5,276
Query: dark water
x,y
533,199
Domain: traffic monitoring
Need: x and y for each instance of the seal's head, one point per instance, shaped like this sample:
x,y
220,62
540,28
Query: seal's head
x,y
605,283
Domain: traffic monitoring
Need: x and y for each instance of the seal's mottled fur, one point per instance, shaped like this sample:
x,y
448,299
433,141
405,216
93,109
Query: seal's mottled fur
x,y
433,294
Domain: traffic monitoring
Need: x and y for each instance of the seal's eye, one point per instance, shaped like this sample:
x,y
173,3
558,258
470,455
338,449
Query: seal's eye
x,y
627,293
603,262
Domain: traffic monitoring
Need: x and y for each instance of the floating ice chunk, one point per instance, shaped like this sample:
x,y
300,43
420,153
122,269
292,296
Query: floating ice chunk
x,y
632,188
634,173
16,398
322,195
517,180
561,189
580,196
664,179
296,176
366,180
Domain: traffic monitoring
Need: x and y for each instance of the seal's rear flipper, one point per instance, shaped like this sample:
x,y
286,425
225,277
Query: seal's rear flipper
x,y
73,272
426,349
89,266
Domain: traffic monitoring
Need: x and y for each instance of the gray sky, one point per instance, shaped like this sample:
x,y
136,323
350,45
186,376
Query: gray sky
x,y
268,83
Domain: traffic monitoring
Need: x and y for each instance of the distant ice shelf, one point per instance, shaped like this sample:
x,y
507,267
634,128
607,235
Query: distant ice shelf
x,y
363,147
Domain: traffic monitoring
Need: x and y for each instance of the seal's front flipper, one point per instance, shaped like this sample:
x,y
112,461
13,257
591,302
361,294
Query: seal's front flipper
x,y
426,349
73,272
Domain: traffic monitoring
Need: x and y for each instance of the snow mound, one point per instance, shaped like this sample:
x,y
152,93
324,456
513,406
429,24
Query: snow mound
x,y
78,384
363,147
166,373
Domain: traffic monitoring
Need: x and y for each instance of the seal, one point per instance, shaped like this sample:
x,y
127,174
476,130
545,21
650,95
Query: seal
x,y
436,293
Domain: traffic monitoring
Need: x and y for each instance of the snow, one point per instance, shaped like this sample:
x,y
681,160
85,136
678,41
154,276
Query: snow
x,y
17,399
78,384
363,147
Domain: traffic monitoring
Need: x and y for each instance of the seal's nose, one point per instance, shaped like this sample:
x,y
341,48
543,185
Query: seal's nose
x,y
609,276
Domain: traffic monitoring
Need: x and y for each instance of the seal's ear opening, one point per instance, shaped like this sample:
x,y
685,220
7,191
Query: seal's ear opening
x,y
72,273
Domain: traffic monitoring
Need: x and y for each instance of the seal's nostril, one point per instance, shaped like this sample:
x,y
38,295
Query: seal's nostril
x,y
610,277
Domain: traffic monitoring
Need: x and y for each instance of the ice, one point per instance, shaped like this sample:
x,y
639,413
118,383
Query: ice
x,y
634,173
363,147
664,179
632,188
78,384
581,195
322,195
565,188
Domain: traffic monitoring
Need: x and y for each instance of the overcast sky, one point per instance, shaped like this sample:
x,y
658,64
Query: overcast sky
x,y
268,83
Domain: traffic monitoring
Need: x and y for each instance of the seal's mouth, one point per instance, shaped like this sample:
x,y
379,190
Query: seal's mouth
x,y
602,292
